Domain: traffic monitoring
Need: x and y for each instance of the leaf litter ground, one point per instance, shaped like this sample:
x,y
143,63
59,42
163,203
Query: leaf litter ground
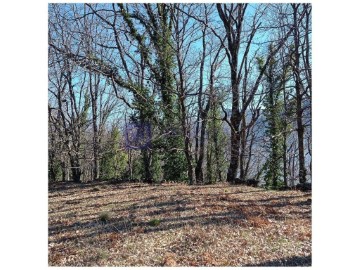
x,y
104,224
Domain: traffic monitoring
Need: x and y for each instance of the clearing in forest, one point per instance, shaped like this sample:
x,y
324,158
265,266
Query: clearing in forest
x,y
104,224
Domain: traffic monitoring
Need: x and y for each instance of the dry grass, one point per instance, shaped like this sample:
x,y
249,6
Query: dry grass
x,y
177,225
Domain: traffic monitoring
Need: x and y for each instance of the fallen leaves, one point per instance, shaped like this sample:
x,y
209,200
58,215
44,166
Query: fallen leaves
x,y
258,222
169,260
217,225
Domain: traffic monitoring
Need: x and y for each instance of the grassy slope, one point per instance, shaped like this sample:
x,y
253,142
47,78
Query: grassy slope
x,y
217,225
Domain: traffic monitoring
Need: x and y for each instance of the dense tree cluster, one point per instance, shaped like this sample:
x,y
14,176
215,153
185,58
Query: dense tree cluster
x,y
180,92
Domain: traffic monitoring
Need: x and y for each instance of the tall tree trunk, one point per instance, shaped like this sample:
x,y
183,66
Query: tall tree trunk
x,y
284,161
243,148
284,147
75,169
299,95
235,146
63,171
235,123
200,100
94,98
52,174
147,165
249,154
217,155
130,165
300,135
187,148
198,169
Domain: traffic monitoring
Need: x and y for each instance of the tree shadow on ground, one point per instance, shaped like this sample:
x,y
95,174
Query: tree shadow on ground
x,y
71,185
171,217
292,261
133,216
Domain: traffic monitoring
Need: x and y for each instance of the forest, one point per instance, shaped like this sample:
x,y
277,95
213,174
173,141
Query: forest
x,y
181,92
201,111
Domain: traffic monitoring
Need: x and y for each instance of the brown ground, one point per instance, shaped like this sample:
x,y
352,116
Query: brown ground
x,y
217,225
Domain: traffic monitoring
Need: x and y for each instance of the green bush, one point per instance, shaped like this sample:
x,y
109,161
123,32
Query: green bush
x,y
104,217
154,222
